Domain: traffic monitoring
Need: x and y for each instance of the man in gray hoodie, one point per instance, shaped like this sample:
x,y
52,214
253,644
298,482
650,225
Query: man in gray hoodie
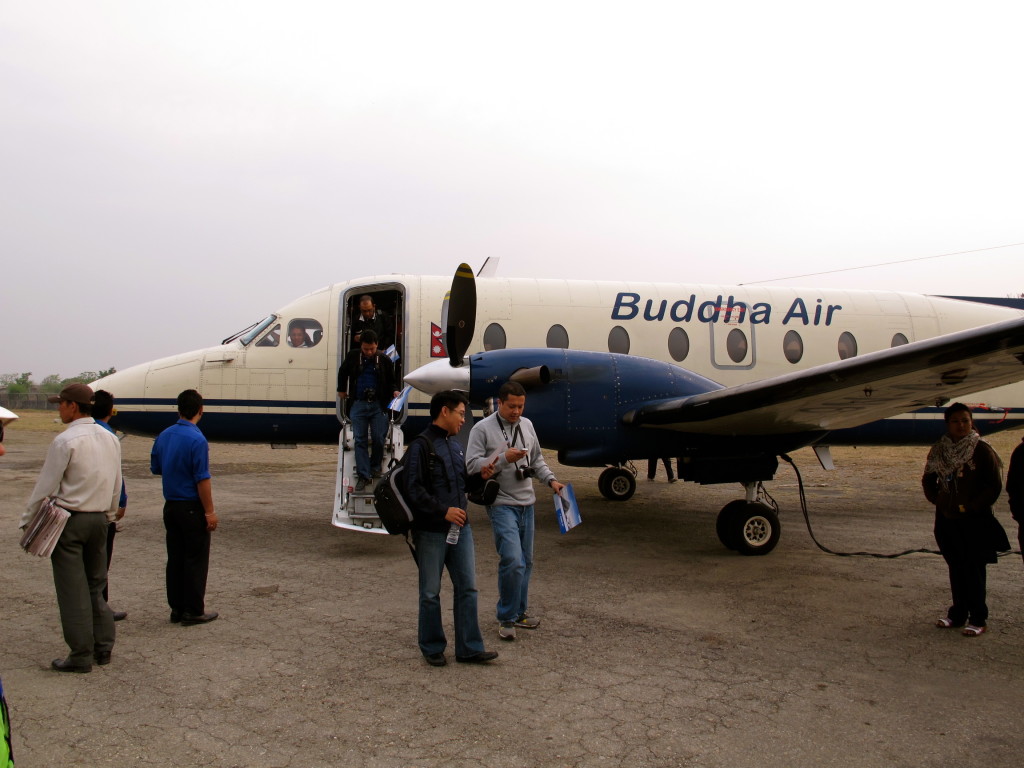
x,y
507,441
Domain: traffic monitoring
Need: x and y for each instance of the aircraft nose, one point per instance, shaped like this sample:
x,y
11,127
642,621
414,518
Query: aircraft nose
x,y
438,376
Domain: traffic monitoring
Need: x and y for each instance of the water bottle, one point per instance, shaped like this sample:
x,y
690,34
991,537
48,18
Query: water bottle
x,y
453,533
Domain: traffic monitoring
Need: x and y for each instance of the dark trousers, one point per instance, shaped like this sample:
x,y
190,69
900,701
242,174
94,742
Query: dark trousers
x,y
967,582
652,468
111,532
79,564
188,556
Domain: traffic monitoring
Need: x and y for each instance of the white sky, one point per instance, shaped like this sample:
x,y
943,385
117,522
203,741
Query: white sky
x,y
171,172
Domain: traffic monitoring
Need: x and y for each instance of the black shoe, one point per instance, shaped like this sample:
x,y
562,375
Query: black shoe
x,y
62,665
188,619
175,617
120,615
435,659
478,658
102,658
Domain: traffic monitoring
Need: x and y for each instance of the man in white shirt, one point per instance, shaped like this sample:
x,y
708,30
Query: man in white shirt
x,y
82,472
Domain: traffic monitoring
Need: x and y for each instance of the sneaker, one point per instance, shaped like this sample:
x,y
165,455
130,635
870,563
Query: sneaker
x,y
507,630
361,484
526,621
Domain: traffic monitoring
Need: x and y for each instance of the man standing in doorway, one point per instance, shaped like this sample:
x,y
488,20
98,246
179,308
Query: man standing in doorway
x,y
82,472
370,318
510,437
181,456
367,378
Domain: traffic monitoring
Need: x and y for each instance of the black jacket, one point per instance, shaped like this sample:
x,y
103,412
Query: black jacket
x,y
436,482
348,377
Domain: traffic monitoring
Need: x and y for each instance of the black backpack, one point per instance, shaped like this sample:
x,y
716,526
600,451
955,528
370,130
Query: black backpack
x,y
389,497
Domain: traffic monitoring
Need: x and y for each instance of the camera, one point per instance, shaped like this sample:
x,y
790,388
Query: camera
x,y
525,473
369,394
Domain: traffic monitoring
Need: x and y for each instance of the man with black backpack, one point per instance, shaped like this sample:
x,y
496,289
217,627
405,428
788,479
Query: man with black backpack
x,y
436,491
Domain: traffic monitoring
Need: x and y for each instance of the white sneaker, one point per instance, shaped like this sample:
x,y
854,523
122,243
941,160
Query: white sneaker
x,y
507,630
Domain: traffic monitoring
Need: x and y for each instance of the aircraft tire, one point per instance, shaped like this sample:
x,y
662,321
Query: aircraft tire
x,y
616,484
754,528
727,526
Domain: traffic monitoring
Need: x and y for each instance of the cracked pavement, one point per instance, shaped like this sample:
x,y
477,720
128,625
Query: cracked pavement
x,y
657,647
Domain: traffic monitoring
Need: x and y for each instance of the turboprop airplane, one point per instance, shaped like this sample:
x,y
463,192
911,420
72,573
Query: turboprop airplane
x,y
727,378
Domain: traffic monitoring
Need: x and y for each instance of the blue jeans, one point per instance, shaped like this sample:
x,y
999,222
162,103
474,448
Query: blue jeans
x,y
434,555
513,528
366,416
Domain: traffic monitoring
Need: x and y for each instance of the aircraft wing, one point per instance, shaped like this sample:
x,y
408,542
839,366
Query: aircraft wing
x,y
853,391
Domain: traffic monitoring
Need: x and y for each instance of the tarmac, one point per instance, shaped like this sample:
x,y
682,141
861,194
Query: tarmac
x,y
657,647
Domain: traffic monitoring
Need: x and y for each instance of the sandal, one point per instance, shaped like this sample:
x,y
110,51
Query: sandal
x,y
946,623
973,631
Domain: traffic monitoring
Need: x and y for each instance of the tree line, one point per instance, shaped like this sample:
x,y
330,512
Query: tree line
x,y
22,383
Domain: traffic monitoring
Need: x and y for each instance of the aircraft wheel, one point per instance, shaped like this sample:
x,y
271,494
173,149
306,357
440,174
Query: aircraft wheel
x,y
751,528
616,484
726,526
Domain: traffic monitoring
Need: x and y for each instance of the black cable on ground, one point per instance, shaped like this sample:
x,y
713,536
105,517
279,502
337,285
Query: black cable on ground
x,y
823,548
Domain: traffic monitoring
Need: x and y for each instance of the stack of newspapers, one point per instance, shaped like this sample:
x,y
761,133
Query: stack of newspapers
x,y
44,529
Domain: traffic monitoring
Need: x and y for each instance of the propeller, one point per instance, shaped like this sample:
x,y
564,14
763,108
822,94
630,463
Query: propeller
x,y
461,316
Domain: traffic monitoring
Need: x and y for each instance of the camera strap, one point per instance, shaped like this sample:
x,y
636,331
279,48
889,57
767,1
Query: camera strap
x,y
517,432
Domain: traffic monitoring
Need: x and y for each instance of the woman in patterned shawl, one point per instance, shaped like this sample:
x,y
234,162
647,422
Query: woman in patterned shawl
x,y
963,478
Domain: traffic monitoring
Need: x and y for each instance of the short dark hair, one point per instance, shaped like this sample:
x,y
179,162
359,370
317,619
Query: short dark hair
x,y
368,337
449,399
513,388
189,403
102,404
367,297
956,408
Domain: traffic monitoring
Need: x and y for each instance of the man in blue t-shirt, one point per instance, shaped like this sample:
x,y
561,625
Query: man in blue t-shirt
x,y
181,456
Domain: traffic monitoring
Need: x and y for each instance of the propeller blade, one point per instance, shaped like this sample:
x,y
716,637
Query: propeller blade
x,y
461,314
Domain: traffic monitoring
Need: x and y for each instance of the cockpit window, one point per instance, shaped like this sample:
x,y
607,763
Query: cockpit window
x,y
304,332
246,335
272,339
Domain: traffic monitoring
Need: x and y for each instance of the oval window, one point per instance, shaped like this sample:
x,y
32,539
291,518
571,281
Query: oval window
x,y
678,344
557,338
793,347
847,345
618,340
899,340
736,345
494,337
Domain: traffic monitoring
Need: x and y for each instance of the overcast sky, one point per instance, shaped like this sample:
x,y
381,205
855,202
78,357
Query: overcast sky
x,y
171,172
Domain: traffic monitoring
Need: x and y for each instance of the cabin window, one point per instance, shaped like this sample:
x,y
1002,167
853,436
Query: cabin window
x,y
494,337
736,344
899,340
272,338
618,340
558,338
304,332
793,347
678,344
847,345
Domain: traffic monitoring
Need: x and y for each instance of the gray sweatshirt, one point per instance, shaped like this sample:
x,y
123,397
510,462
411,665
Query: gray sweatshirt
x,y
486,439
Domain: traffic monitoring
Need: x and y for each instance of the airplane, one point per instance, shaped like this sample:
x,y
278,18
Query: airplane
x,y
726,378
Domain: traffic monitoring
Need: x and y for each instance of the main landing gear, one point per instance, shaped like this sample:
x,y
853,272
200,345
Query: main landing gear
x,y
750,526
617,483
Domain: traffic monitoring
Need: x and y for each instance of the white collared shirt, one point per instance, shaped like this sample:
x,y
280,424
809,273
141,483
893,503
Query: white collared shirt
x,y
82,471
